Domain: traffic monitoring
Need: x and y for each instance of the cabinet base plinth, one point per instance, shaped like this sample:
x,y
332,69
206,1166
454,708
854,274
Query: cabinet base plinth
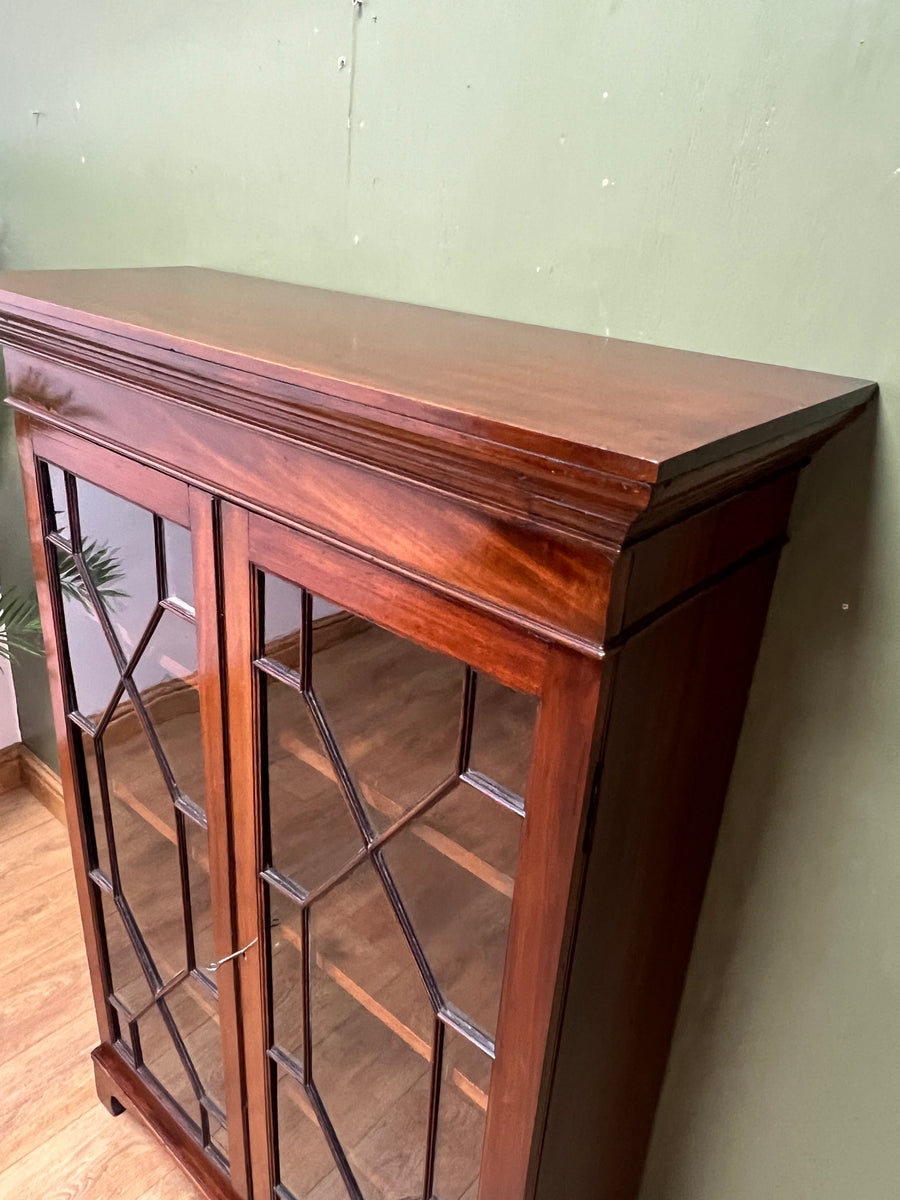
x,y
119,1088
104,1094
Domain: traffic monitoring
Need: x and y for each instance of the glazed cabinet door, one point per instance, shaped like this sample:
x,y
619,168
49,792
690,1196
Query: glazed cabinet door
x,y
383,742
128,576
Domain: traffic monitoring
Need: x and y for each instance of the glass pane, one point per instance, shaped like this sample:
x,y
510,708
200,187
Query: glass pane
x,y
333,1187
195,1012
118,549
304,1157
128,979
371,1030
133,771
165,1064
454,868
146,847
393,707
179,564
502,734
465,1084
218,1137
60,505
313,834
93,667
201,902
357,944
286,961
94,803
283,608
166,677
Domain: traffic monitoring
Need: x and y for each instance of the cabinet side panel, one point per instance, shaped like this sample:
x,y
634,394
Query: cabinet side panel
x,y
679,697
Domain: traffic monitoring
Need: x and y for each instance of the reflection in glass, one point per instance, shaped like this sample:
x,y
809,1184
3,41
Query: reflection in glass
x,y
286,965
129,982
151,879
95,802
465,1084
196,1015
133,770
304,1157
118,538
371,1026
454,868
166,677
218,1137
312,832
179,566
283,607
161,1058
502,732
201,902
93,668
60,514
393,707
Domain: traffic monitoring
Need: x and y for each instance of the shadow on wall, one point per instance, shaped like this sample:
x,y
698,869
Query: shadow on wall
x,y
803,682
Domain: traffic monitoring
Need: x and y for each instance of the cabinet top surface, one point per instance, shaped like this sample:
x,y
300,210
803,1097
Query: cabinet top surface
x,y
636,410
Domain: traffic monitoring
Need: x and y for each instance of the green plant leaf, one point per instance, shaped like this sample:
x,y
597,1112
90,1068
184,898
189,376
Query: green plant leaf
x,y
103,568
20,624
20,621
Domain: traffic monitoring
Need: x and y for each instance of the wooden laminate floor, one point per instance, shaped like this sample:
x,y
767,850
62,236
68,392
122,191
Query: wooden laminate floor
x,y
57,1142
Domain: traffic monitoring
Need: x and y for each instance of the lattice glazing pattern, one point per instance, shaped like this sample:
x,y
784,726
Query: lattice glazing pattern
x,y
123,579
391,833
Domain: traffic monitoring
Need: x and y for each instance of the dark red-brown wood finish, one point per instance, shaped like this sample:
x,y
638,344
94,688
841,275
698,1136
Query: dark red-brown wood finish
x,y
589,522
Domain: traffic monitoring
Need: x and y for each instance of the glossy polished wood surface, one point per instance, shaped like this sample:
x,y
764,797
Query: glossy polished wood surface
x,y
428,999
640,411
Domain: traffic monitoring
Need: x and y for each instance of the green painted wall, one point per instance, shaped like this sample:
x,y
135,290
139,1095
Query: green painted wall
x,y
723,177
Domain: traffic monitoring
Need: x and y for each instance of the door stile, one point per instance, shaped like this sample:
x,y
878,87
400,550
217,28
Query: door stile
x,y
551,859
52,624
240,626
211,686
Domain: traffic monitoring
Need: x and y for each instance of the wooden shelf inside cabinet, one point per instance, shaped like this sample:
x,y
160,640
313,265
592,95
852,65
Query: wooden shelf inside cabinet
x,y
398,661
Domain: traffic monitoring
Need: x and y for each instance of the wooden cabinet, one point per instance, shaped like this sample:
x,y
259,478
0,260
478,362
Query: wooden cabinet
x,y
398,661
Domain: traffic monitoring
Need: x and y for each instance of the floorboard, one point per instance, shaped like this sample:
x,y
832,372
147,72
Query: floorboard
x,y
57,1142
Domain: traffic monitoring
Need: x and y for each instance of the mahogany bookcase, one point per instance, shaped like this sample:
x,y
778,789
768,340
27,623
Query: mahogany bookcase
x,y
398,661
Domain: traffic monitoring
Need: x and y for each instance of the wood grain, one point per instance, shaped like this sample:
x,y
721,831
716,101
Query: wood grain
x,y
645,878
18,814
43,783
34,921
86,1164
55,1141
34,854
592,522
210,659
10,768
634,406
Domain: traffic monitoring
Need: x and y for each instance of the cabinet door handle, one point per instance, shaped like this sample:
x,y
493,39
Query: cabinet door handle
x,y
214,966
